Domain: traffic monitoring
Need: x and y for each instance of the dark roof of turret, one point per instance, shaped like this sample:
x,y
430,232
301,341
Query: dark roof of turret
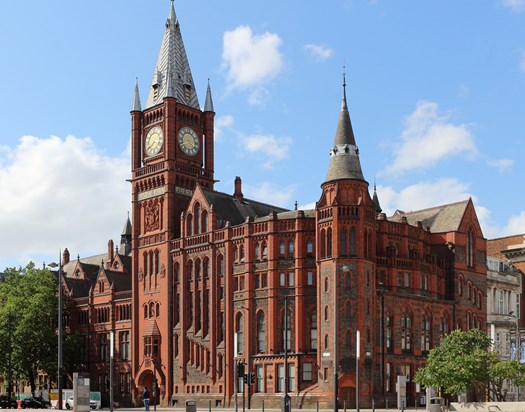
x,y
344,156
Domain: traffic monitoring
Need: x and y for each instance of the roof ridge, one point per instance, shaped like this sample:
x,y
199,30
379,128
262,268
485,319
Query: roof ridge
x,y
435,207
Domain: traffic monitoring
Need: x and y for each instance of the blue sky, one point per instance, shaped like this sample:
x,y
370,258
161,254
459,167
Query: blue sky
x,y
435,90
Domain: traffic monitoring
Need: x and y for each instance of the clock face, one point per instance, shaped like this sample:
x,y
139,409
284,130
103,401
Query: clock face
x,y
188,141
153,142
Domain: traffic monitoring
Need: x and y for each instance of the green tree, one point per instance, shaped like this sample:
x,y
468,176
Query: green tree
x,y
502,372
28,296
460,364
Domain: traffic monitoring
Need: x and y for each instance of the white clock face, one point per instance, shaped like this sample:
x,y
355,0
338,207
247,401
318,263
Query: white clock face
x,y
153,142
188,141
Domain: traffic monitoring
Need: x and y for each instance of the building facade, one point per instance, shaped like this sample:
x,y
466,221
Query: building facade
x,y
222,286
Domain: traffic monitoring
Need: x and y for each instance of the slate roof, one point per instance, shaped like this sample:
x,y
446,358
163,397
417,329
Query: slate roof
x,y
440,219
228,208
172,75
344,156
120,281
79,287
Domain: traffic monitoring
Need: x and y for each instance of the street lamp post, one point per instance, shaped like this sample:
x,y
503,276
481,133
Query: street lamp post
x,y
59,364
357,355
344,269
111,355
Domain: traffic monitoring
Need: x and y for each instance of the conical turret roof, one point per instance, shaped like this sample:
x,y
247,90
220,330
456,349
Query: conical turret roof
x,y
344,155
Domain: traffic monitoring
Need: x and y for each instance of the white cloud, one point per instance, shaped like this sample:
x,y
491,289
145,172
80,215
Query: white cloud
x,y
250,60
270,193
516,5
59,193
270,147
422,195
222,122
503,165
429,137
318,51
516,224
258,97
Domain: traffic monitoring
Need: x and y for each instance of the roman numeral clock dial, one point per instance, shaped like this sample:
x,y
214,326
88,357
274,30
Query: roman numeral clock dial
x,y
154,140
188,141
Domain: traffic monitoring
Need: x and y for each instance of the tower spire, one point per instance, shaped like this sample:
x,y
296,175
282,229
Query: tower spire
x,y
208,104
136,97
344,155
172,59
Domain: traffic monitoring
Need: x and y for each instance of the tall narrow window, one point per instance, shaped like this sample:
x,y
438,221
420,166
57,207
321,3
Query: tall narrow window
x,y
281,248
426,322
290,248
329,242
342,243
470,248
309,247
239,327
261,333
406,332
313,330
352,242
287,335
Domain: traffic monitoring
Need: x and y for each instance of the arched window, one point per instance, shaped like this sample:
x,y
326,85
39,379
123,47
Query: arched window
x,y
323,243
426,328
348,339
197,212
241,252
281,248
151,310
189,224
219,366
157,310
352,242
342,243
326,341
239,328
197,268
326,284
264,250
406,332
261,333
329,242
326,313
204,221
145,311
309,247
220,265
256,252
290,248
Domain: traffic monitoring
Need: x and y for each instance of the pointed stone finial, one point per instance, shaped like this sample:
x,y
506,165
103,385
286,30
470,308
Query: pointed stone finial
x,y
136,107
208,104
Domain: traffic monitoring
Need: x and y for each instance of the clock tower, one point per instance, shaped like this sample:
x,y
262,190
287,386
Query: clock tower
x,y
172,151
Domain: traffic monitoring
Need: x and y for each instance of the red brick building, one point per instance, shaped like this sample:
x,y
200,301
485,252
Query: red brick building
x,y
219,279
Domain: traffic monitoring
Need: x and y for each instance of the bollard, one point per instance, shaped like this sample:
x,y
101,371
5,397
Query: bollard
x,y
386,404
317,406
262,407
373,405
344,405
209,406
402,406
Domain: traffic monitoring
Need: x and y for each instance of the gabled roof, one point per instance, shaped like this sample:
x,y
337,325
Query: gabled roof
x,y
78,287
440,219
120,281
228,208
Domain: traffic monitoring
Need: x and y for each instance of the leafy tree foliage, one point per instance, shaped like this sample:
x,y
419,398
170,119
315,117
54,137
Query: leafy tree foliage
x,y
464,362
460,364
28,315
